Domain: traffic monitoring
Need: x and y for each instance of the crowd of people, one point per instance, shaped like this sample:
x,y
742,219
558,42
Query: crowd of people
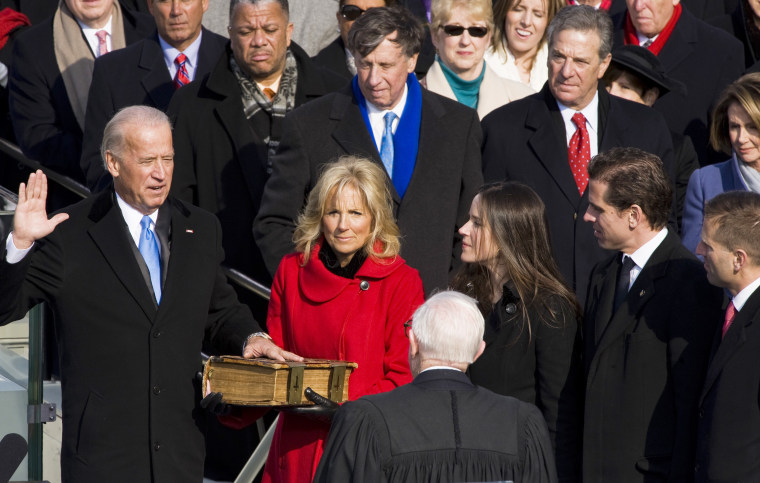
x,y
517,216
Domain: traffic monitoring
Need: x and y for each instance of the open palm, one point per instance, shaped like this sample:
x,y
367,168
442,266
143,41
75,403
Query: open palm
x,y
30,221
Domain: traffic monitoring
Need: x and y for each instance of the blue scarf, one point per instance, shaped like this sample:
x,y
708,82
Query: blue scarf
x,y
406,141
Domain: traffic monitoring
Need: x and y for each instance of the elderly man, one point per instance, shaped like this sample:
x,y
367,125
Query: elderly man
x,y
729,411
226,127
705,58
546,140
129,321
148,73
51,72
440,427
428,145
336,56
649,321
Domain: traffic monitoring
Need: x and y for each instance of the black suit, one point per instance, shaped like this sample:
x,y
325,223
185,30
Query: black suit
x,y
645,364
729,406
445,178
128,367
333,57
525,141
221,162
131,76
442,428
43,119
705,59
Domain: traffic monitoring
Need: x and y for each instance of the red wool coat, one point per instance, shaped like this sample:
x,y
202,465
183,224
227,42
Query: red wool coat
x,y
317,314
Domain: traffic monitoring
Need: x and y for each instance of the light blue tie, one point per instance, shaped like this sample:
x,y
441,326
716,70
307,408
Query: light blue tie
x,y
386,146
148,247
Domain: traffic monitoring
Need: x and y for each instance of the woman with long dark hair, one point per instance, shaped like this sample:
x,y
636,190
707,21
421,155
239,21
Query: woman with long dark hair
x,y
531,333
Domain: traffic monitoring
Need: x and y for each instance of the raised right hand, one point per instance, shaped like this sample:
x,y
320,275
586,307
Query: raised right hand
x,y
30,222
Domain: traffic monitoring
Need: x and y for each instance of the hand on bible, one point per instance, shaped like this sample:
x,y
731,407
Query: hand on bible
x,y
30,222
263,347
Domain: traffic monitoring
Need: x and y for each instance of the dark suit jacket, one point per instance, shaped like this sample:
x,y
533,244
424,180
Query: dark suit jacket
x,y
43,118
445,179
127,366
645,369
729,406
705,59
440,427
221,163
333,57
525,141
131,76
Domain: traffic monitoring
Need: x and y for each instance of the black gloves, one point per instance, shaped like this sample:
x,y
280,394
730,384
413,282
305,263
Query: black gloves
x,y
213,404
323,408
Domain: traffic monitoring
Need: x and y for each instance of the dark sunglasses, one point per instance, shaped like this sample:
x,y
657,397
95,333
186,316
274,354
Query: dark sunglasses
x,y
407,326
351,12
457,30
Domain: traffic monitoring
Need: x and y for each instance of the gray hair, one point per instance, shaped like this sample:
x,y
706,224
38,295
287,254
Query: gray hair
x,y
283,4
114,135
583,18
369,30
448,327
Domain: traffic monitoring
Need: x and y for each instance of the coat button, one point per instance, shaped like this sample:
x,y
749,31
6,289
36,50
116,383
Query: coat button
x,y
156,389
364,285
156,446
156,333
701,413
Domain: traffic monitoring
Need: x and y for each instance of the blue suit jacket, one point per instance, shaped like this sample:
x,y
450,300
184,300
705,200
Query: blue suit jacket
x,y
705,184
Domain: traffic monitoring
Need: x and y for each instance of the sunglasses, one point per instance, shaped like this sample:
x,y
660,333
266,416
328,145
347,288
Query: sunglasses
x,y
351,12
457,30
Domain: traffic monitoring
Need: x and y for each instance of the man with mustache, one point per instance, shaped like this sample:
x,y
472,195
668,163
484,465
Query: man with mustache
x,y
148,73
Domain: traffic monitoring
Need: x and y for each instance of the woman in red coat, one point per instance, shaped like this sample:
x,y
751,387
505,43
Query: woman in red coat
x,y
345,294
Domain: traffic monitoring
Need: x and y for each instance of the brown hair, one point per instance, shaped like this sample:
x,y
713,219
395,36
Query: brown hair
x,y
500,9
634,177
745,91
516,218
735,218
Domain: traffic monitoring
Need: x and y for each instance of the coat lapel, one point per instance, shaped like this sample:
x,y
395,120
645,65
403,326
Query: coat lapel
x,y
156,80
680,46
182,252
111,236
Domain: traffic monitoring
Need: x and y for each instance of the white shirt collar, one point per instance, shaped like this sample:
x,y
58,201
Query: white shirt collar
x,y
591,113
376,117
643,38
133,217
170,53
641,256
92,39
741,298
439,367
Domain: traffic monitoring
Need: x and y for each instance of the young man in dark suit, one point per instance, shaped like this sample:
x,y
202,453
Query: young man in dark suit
x,y
440,427
134,281
431,154
51,72
532,140
147,73
729,410
649,320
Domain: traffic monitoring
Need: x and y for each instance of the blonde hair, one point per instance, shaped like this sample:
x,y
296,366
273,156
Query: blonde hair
x,y
370,181
745,91
440,11
500,10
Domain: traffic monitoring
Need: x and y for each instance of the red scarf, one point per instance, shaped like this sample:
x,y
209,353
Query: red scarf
x,y
605,5
10,20
632,39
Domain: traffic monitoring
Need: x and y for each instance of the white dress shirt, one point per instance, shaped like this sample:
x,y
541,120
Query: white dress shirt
x,y
92,39
377,121
591,113
741,298
644,253
170,53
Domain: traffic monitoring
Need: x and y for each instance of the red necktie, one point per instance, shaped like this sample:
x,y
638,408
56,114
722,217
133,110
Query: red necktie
x,y
102,45
579,152
730,314
181,78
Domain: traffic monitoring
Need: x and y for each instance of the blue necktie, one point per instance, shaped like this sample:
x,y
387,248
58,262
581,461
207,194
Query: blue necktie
x,y
148,247
386,147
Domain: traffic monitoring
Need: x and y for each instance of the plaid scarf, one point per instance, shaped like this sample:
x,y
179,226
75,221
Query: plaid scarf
x,y
255,102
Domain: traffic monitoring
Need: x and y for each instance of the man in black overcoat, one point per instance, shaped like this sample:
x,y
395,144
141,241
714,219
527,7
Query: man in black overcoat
x,y
528,140
729,409
649,320
146,73
129,324
433,143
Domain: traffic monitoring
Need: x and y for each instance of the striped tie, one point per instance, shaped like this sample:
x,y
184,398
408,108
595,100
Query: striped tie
x,y
181,78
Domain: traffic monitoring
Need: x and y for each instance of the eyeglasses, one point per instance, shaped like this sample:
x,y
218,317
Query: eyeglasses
x,y
407,326
457,30
351,12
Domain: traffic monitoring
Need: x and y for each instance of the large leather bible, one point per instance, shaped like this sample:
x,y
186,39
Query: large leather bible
x,y
266,382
